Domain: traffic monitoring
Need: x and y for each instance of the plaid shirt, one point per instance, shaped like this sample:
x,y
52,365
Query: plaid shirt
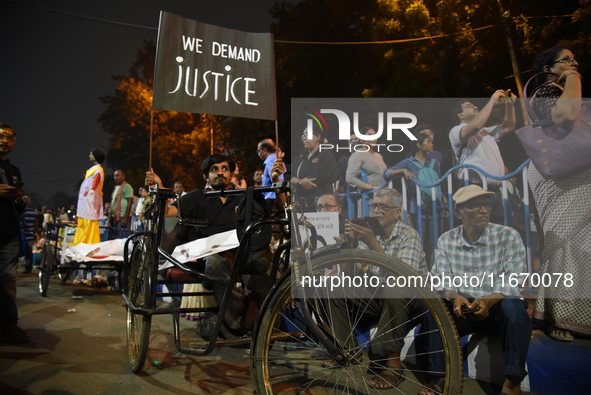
x,y
405,244
499,251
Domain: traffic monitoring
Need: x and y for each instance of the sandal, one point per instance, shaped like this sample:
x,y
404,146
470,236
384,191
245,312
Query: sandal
x,y
552,332
383,382
435,385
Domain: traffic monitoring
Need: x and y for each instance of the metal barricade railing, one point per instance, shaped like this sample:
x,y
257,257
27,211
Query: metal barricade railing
x,y
448,177
364,198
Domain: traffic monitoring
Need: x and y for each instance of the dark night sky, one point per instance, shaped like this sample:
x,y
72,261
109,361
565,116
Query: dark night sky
x,y
54,68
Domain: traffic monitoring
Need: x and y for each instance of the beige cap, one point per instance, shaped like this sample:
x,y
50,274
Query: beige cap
x,y
464,194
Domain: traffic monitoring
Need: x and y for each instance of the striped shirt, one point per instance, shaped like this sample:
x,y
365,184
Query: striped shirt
x,y
28,219
405,244
498,253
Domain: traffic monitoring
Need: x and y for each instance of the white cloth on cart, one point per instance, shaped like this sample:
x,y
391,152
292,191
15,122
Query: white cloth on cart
x,y
111,250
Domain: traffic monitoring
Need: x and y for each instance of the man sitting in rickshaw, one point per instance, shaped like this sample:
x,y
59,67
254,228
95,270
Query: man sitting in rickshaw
x,y
220,212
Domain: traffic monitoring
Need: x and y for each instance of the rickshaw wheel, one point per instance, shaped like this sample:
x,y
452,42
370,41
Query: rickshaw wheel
x,y
288,359
142,294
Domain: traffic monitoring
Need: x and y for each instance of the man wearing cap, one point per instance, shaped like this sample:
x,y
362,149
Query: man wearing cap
x,y
12,202
482,249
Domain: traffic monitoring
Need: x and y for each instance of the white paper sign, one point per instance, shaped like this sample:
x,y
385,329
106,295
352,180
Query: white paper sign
x,y
207,246
326,225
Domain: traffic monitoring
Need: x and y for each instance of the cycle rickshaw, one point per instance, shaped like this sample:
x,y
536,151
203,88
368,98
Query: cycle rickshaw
x,y
286,318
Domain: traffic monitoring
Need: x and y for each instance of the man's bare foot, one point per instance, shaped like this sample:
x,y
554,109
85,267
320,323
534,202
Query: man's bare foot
x,y
512,386
387,378
434,387
391,375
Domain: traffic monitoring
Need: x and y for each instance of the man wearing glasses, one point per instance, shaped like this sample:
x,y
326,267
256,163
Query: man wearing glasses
x,y
393,310
11,202
480,249
475,144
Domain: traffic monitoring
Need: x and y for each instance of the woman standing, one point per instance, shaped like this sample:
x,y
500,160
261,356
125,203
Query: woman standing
x,y
90,201
562,202
369,161
314,171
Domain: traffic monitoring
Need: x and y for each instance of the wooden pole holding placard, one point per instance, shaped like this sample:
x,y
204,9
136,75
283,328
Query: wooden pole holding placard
x,y
151,132
276,133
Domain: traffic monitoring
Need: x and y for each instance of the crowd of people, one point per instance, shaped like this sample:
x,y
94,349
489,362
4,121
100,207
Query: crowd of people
x,y
480,244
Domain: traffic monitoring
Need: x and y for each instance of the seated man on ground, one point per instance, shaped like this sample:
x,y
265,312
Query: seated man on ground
x,y
482,249
394,308
221,215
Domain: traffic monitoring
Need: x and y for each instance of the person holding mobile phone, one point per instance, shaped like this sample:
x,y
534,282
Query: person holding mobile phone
x,y
479,248
11,203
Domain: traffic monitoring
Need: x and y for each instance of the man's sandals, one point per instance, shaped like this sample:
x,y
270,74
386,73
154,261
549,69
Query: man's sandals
x,y
387,378
434,386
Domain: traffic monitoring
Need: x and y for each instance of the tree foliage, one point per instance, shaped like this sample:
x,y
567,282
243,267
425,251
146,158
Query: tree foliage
x,y
461,60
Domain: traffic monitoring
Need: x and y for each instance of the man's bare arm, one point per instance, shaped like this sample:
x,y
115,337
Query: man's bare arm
x,y
508,124
481,118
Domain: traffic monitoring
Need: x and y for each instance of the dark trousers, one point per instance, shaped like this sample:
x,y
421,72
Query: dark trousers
x,y
8,262
507,319
28,257
392,315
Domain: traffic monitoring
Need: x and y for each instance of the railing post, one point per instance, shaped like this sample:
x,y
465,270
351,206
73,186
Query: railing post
x,y
404,202
419,211
450,201
505,203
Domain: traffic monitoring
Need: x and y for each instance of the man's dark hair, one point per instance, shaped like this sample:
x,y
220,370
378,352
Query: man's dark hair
x,y
98,155
458,109
338,200
268,145
214,160
7,126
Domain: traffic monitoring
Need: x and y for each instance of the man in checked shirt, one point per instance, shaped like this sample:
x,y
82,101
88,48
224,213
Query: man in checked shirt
x,y
480,248
392,308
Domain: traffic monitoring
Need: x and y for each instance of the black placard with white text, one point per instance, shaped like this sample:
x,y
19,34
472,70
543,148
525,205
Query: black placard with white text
x,y
208,69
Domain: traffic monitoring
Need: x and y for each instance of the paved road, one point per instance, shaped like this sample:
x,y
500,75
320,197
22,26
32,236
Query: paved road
x,y
84,352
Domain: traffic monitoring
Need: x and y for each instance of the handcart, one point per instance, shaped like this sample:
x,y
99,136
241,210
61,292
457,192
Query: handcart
x,y
58,238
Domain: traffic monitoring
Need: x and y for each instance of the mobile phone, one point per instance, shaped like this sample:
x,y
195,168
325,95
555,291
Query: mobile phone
x,y
18,184
374,224
360,222
466,310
